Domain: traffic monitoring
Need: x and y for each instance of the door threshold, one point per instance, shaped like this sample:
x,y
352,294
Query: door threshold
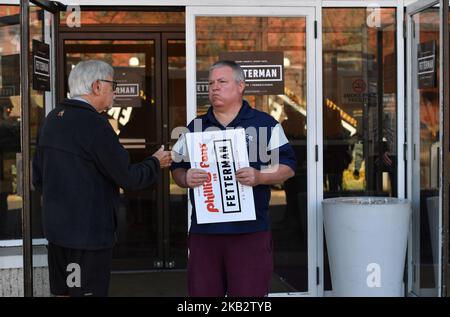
x,y
148,271
290,294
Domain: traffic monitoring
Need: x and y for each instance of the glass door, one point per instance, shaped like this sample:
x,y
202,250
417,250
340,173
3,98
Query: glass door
x,y
445,29
37,75
426,144
10,149
361,108
149,103
174,115
269,37
136,119
10,201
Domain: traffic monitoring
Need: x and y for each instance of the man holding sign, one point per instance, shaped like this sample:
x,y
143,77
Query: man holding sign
x,y
220,154
231,258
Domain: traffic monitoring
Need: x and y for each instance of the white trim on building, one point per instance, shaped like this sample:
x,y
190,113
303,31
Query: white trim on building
x,y
315,135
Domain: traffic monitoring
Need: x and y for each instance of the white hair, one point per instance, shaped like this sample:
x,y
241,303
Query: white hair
x,y
85,73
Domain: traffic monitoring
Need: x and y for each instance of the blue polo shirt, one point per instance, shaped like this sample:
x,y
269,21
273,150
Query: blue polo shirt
x,y
264,135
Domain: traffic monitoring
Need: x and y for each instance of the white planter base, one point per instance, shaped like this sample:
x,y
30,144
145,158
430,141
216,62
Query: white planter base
x,y
366,240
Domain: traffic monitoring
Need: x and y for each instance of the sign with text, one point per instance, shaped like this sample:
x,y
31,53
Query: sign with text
x,y
130,87
356,90
264,72
352,90
221,198
41,66
202,88
426,64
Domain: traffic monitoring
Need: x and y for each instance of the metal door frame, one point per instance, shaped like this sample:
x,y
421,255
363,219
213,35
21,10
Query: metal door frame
x,y
444,154
113,35
166,141
313,53
159,35
52,8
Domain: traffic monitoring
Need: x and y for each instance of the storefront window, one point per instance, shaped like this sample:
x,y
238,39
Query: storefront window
x,y
10,201
40,31
427,145
133,64
276,41
447,270
219,35
359,102
86,18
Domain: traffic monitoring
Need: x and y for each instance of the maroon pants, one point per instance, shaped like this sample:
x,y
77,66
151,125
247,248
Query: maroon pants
x,y
233,264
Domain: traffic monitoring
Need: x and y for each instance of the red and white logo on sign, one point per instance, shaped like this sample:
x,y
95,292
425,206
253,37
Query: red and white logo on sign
x,y
359,86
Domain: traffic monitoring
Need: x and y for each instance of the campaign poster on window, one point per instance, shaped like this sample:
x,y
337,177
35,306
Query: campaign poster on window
x,y
263,71
202,88
221,198
41,66
130,91
426,64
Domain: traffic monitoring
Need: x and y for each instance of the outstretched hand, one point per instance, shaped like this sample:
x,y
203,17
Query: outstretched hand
x,y
164,157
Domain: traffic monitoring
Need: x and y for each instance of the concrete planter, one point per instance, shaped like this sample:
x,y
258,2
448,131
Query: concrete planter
x,y
366,239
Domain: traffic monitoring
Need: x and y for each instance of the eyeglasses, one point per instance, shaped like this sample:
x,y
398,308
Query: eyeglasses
x,y
113,83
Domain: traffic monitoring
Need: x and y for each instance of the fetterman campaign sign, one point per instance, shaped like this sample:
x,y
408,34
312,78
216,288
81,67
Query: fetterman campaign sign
x,y
221,198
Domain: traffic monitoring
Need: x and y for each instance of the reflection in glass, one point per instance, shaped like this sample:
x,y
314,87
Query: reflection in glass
x,y
38,32
134,107
359,105
120,18
288,204
40,23
10,200
133,65
176,69
427,132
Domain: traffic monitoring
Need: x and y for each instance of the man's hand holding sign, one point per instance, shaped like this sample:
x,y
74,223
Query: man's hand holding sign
x,y
195,177
215,157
